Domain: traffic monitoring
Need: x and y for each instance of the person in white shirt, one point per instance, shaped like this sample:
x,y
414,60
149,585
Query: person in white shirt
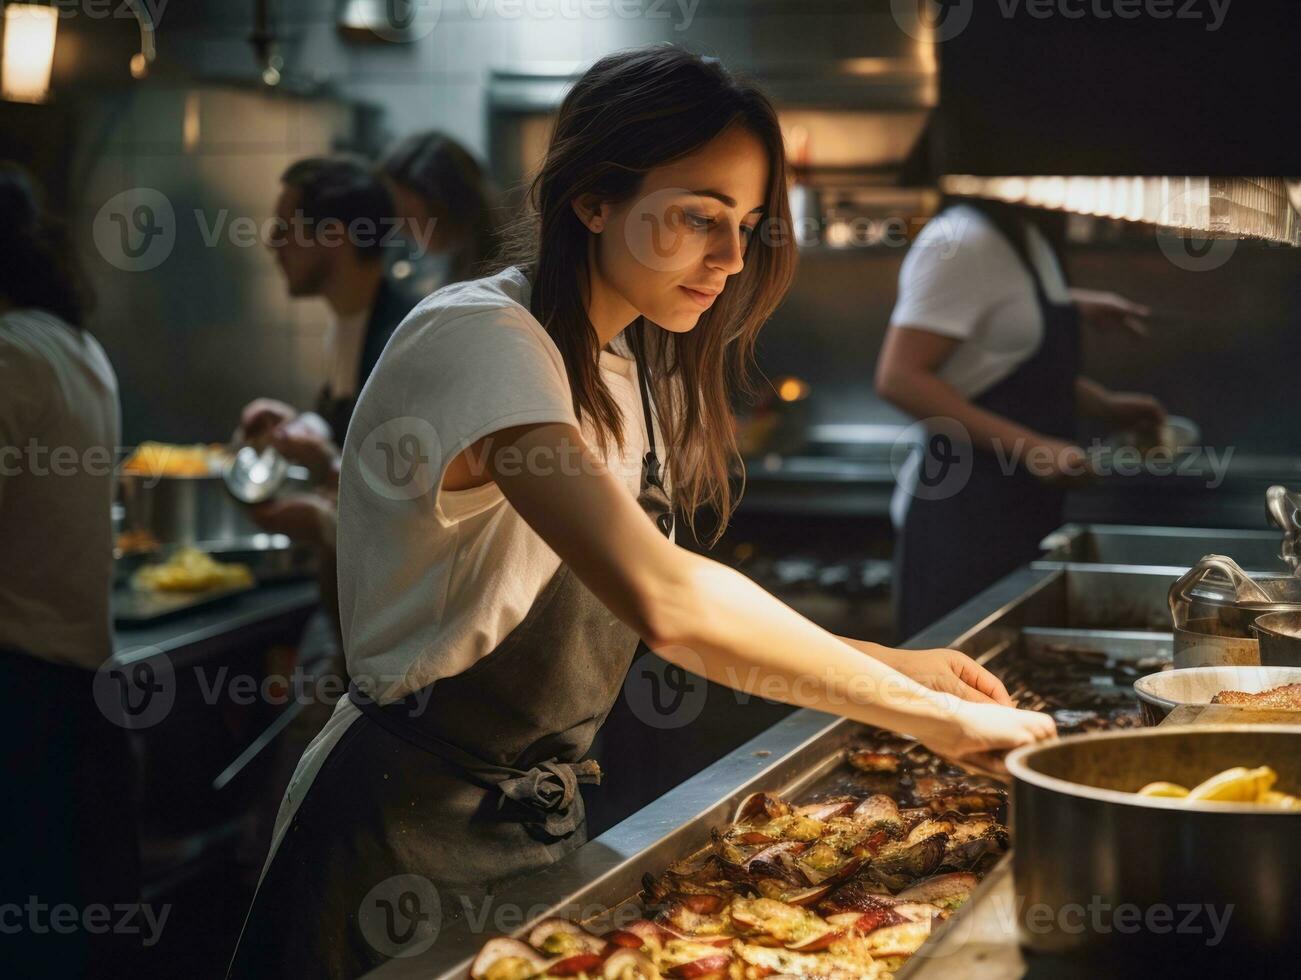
x,y
67,827
984,347
507,503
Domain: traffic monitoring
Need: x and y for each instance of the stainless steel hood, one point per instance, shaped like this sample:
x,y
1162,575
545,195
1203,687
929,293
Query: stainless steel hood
x,y
860,118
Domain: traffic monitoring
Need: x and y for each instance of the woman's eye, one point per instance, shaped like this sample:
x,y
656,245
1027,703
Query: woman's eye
x,y
699,221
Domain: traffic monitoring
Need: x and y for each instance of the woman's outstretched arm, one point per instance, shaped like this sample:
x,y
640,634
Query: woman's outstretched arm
x,y
704,616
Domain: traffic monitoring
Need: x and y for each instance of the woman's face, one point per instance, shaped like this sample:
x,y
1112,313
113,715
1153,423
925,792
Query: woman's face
x,y
668,251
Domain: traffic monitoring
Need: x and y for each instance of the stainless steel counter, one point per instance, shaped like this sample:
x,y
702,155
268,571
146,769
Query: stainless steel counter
x,y
1123,544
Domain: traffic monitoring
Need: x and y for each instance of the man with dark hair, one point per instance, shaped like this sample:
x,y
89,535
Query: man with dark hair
x,y
331,219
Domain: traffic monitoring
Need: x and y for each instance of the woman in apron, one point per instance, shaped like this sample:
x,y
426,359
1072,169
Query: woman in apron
x,y
506,529
984,346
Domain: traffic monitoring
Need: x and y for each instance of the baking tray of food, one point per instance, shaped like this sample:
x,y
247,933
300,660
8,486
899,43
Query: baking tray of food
x,y
857,862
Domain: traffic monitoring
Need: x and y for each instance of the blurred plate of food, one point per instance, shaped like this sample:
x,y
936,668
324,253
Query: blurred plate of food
x,y
187,578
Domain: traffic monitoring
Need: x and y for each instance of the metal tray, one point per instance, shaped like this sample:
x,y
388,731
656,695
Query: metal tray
x,y
601,880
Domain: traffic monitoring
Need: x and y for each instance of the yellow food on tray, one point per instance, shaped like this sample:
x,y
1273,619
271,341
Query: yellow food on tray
x,y
1236,785
192,570
165,459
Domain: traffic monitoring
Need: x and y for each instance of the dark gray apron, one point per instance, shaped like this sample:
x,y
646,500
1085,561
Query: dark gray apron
x,y
468,783
951,549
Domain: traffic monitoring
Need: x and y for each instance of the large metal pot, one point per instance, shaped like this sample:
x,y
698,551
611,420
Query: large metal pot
x,y
1213,607
183,509
1109,880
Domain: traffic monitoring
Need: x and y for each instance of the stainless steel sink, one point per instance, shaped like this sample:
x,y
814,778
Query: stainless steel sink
x,y
1121,544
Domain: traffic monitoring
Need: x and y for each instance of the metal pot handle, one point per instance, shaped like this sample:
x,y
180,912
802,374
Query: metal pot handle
x,y
1244,586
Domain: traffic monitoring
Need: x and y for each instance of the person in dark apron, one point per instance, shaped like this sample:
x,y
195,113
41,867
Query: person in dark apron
x,y
960,539
454,766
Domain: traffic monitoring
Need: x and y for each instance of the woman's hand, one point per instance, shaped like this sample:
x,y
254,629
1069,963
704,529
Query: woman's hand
x,y
976,729
1059,463
1133,410
1108,311
946,671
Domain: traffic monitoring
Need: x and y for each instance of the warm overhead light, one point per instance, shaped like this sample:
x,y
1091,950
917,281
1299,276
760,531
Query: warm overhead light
x,y
1231,207
30,30
792,389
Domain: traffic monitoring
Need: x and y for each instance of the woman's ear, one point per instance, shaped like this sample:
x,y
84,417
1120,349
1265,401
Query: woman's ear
x,y
592,211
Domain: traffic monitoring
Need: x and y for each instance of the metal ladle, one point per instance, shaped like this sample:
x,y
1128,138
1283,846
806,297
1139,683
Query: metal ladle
x,y
252,476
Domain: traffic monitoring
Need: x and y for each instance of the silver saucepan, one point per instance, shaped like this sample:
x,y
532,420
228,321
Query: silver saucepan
x,y
1117,883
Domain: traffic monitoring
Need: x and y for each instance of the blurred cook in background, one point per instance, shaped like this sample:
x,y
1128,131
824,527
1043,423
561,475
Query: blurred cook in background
x,y
334,214
449,205
67,834
986,335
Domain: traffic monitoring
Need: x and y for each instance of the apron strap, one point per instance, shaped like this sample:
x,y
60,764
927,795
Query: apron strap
x,y
637,341
546,793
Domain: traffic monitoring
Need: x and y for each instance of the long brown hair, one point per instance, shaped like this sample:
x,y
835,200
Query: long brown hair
x,y
457,192
632,112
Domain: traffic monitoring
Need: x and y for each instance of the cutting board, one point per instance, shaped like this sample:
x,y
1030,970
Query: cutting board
x,y
1228,714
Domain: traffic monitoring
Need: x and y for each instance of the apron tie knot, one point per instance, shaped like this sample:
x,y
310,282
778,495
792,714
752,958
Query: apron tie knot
x,y
548,791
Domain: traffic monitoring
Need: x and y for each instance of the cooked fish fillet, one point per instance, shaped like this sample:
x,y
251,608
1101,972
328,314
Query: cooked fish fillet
x,y
1285,698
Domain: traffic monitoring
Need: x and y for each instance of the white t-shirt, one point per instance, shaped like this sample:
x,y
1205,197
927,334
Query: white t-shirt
x,y
429,584
59,432
962,279
431,581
